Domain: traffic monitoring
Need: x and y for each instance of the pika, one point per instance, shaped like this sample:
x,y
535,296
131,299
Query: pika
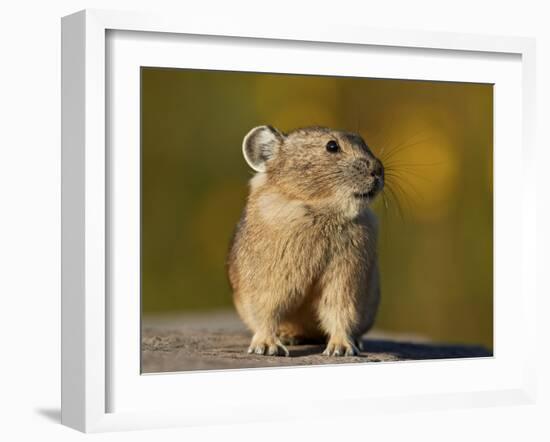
x,y
303,260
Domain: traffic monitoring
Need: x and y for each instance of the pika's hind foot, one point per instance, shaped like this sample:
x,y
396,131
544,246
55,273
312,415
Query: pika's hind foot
x,y
341,347
291,340
270,346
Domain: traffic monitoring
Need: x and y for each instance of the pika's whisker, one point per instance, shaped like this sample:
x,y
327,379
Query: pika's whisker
x,y
396,173
403,147
385,199
392,164
409,186
396,200
410,138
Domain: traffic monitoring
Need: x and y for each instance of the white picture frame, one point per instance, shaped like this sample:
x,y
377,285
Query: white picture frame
x,y
92,370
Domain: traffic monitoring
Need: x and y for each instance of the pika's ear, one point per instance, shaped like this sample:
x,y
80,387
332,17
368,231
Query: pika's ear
x,y
261,144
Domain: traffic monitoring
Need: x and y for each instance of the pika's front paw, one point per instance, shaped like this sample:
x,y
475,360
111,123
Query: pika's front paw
x,y
341,347
267,346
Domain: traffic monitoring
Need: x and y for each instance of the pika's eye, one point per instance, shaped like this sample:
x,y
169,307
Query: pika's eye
x,y
332,146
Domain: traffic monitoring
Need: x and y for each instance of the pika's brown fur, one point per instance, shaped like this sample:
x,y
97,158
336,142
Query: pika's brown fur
x,y
303,261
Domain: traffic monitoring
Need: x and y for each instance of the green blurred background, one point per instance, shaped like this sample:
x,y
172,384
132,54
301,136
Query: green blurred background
x,y
436,251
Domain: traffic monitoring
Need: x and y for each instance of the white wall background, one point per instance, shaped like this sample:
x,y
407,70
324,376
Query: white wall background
x,y
30,215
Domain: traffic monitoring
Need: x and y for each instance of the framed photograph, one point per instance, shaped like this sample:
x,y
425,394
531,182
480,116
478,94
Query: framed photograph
x,y
265,222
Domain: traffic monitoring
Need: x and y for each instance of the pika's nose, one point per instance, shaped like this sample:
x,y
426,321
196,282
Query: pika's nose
x,y
377,169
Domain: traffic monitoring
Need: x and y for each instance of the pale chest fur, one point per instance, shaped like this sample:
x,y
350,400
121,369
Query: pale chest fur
x,y
286,244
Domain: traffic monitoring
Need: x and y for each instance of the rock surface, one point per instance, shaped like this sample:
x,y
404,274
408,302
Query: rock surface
x,y
219,341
